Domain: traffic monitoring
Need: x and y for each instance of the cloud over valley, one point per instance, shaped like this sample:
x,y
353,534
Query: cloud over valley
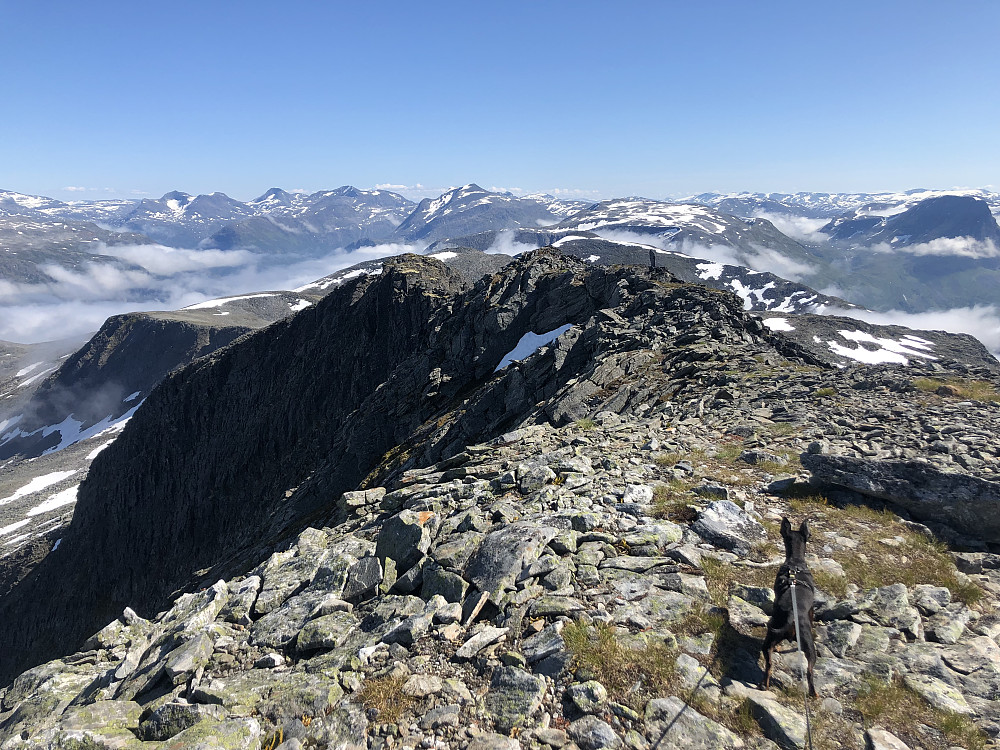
x,y
75,301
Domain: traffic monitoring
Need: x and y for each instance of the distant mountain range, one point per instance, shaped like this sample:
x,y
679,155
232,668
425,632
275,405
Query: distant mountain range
x,y
914,251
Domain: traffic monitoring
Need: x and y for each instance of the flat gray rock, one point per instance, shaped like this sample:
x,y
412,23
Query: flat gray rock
x,y
590,733
725,524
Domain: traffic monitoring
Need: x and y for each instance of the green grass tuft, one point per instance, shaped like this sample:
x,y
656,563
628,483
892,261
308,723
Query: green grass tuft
x,y
385,695
974,390
671,501
901,710
631,676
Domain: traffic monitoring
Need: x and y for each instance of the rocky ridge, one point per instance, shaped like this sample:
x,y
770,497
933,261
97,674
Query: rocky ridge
x,y
448,610
624,513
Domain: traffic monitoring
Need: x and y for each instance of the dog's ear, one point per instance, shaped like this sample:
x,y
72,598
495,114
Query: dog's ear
x,y
786,527
804,530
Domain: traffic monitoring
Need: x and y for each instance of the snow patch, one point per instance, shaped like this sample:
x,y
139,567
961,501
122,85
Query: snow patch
x,y
8,423
529,344
569,238
131,397
58,500
21,373
709,270
778,324
33,378
743,292
889,351
443,256
38,484
70,432
302,304
93,454
225,300
13,527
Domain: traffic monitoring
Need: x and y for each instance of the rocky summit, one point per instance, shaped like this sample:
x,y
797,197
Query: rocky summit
x,y
539,511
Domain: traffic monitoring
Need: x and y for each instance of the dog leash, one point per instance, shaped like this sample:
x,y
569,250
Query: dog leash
x,y
793,584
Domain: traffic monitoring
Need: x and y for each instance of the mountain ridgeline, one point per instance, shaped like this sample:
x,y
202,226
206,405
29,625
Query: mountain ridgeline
x,y
245,445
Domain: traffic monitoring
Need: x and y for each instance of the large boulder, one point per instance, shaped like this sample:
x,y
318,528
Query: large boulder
x,y
963,502
725,524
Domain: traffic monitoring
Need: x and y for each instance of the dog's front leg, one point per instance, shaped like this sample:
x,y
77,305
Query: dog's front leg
x,y
767,649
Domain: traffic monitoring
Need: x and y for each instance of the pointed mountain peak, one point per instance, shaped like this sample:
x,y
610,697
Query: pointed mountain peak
x,y
273,195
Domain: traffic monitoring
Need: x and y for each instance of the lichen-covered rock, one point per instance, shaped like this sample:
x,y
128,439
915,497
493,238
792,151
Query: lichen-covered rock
x,y
545,643
591,733
842,636
881,739
588,697
405,538
514,697
219,734
890,606
439,581
938,693
280,627
188,657
242,596
672,723
327,631
782,725
480,640
171,719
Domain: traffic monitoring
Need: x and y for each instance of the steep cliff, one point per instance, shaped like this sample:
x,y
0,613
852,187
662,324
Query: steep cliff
x,y
207,467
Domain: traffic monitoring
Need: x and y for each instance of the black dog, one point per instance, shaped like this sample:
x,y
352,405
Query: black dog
x,y
793,578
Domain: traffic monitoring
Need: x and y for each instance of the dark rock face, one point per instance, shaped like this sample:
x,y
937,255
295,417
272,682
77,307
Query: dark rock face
x,y
129,355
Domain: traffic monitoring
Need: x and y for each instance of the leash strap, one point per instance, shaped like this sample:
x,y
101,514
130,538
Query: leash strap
x,y
793,584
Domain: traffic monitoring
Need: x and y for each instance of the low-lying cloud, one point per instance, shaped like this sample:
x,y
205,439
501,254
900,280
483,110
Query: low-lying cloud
x,y
963,247
167,261
506,244
74,302
797,227
759,259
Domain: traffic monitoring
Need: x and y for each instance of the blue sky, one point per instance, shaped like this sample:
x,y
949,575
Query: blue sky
x,y
660,99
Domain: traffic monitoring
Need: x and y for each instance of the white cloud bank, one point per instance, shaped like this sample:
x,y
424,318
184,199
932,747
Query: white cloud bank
x,y
797,227
962,247
506,244
760,259
75,302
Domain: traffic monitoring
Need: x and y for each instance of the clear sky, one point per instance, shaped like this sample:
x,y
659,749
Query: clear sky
x,y
644,98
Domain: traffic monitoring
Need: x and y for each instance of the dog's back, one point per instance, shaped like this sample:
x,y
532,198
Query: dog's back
x,y
798,572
